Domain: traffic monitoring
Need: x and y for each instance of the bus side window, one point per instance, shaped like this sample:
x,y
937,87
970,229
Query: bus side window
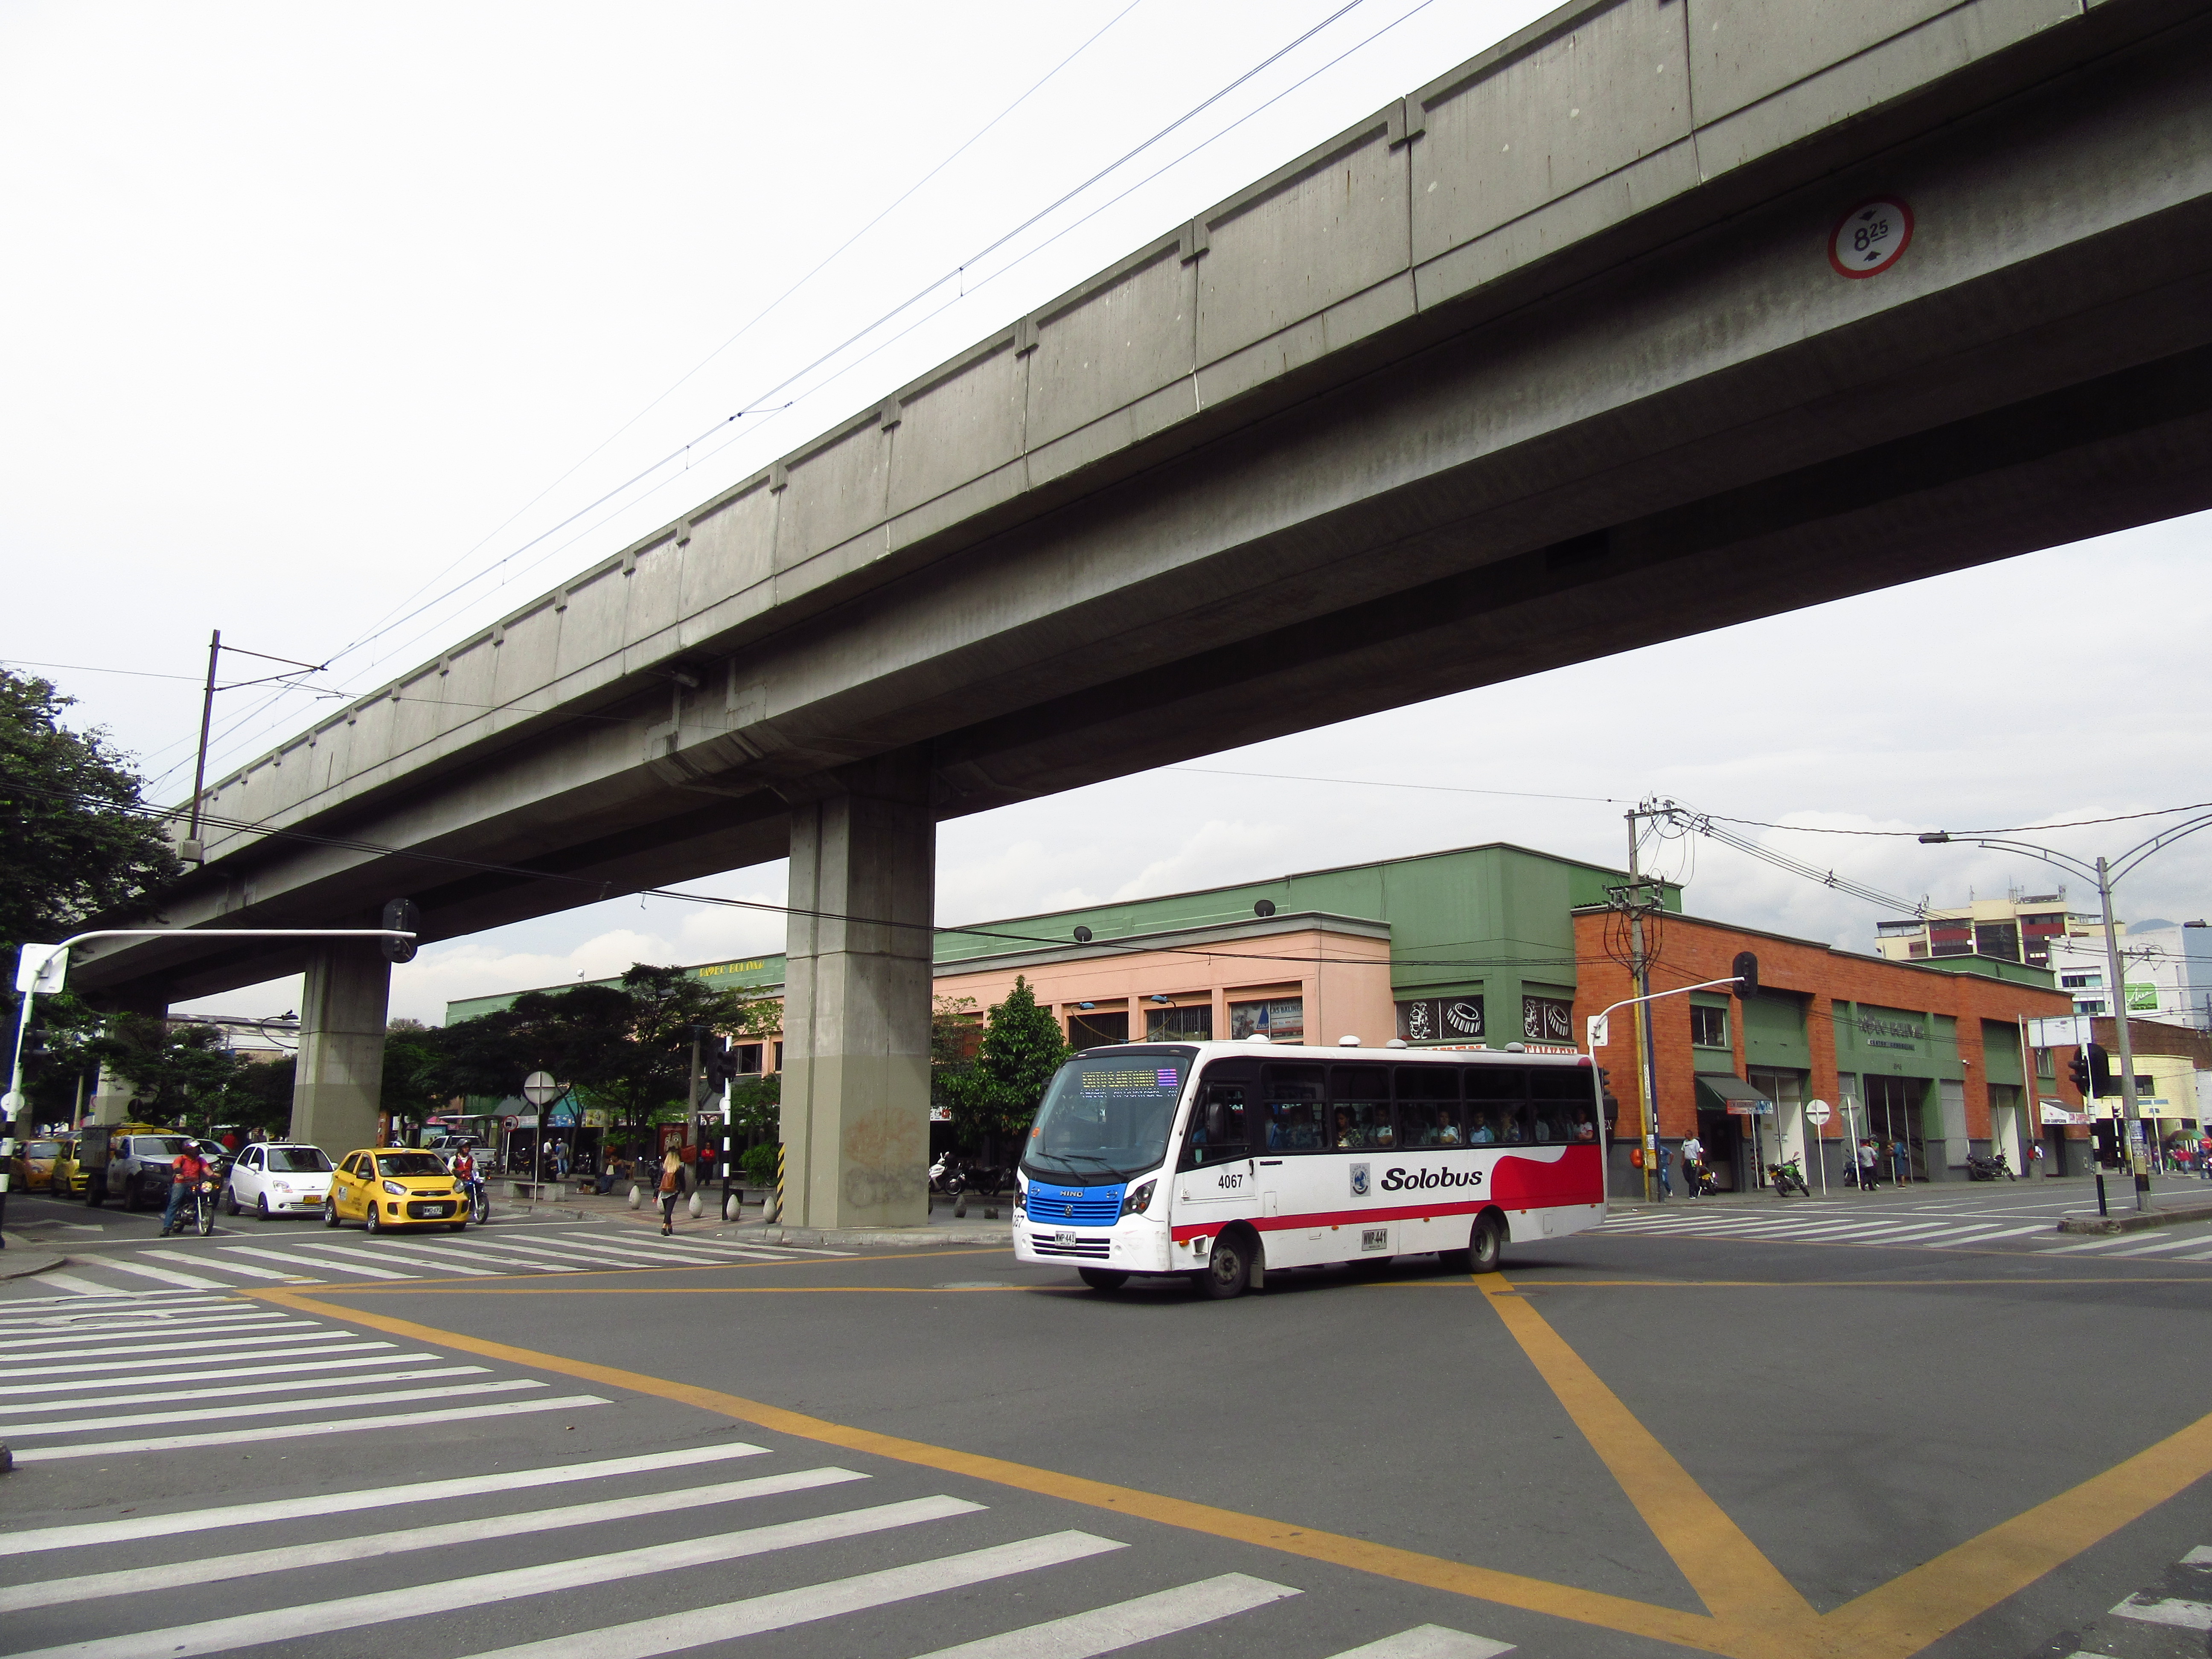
x,y
1562,1104
1294,1109
1216,1128
1498,1106
1359,1108
1428,1106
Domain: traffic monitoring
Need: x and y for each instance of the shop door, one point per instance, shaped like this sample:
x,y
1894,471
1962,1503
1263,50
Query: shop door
x,y
1892,1115
1724,1147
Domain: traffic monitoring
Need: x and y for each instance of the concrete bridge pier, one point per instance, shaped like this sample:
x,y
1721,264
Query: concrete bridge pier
x,y
855,1111
340,1080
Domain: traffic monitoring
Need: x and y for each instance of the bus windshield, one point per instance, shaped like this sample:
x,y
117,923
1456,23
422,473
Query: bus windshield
x,y
1108,1116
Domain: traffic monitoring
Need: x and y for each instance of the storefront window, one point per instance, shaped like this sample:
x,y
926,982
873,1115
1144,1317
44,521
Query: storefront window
x,y
1283,1019
1546,1020
1184,1024
1441,1019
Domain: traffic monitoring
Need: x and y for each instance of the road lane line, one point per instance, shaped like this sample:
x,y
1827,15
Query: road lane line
x,y
119,1263
174,1357
317,1262
334,1402
374,1545
2177,1614
80,1287
1428,1642
673,1632
447,1596
621,1255
390,1253
2162,1245
84,1534
217,1267
161,1395
174,1443
79,1383
1125,1623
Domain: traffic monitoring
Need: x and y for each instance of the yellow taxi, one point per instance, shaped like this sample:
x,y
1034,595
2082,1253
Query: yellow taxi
x,y
385,1186
37,1161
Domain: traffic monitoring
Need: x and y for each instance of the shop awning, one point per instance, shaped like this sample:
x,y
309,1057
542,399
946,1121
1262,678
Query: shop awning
x,y
1730,1092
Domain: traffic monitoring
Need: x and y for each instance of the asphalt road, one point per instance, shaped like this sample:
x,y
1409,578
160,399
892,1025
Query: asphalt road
x,y
1918,1422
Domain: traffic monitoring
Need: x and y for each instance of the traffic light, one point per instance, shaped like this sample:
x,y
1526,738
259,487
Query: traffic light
x,y
2101,1072
2107,1133
1747,975
719,1063
401,916
2078,1069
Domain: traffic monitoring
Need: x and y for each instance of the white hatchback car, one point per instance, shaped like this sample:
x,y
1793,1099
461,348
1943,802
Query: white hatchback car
x,y
279,1180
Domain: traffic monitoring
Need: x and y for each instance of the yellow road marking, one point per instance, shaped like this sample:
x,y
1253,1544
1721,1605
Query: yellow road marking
x,y
1755,1614
1737,1583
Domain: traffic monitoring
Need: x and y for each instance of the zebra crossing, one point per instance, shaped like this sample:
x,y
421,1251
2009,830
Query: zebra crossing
x,y
600,1557
1842,1225
262,1257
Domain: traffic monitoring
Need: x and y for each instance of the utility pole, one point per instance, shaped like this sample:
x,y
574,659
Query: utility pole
x,y
2115,976
1647,1060
206,721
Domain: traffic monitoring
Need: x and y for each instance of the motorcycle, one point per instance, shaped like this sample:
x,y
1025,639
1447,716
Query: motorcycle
x,y
475,1199
1699,1176
1989,1169
1786,1175
946,1176
204,1197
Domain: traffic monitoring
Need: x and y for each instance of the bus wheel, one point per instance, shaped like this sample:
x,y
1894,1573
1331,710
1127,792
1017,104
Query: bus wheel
x,y
1229,1268
1102,1279
1487,1246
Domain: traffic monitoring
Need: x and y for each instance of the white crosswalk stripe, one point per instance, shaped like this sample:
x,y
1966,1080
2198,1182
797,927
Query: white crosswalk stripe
x,y
70,1588
1914,1231
225,1262
81,1390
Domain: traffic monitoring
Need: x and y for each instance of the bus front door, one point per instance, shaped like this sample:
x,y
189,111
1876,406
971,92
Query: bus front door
x,y
1214,1174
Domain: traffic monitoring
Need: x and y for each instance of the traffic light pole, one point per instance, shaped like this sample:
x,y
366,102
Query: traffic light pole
x,y
43,968
2138,1161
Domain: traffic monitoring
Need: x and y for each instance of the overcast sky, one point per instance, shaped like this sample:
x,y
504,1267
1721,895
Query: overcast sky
x,y
344,329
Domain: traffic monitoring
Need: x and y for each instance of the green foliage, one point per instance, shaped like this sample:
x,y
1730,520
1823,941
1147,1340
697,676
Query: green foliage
x,y
624,1047
755,1101
410,1063
1021,1049
759,1164
179,1072
76,847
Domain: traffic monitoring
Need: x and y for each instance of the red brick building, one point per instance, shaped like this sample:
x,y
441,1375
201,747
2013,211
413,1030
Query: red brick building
x,y
1932,1058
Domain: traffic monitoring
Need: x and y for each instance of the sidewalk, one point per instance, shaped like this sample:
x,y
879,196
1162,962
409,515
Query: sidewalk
x,y
22,1256
941,1231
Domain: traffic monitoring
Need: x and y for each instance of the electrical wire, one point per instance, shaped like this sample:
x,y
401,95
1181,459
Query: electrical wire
x,y
1969,835
956,274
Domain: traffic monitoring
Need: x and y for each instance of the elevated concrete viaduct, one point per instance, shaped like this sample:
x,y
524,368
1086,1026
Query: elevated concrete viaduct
x,y
1546,361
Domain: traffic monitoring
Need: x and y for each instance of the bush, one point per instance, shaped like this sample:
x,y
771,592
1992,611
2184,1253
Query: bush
x,y
759,1164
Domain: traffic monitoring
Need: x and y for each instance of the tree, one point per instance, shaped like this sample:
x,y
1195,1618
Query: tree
x,y
180,1069
626,1047
79,841
1021,1049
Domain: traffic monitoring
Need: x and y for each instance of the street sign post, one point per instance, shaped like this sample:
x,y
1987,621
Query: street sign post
x,y
1817,1114
541,1090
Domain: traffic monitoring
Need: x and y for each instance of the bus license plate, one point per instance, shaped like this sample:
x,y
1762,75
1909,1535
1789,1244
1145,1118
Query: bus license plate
x,y
1063,1238
1374,1238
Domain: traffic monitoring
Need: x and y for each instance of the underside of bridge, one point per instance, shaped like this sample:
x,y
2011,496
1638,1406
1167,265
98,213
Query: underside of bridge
x,y
1682,419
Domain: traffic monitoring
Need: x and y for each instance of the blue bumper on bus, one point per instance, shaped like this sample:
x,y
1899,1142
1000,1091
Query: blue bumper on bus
x,y
1073,1206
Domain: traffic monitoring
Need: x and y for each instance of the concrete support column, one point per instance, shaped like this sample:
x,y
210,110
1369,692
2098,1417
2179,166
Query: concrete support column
x,y
113,1092
343,1008
855,1113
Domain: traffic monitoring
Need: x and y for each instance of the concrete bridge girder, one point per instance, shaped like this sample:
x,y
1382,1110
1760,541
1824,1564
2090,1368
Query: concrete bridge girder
x,y
1508,429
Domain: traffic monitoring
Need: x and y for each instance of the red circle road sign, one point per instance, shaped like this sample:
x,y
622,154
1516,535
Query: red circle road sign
x,y
1871,238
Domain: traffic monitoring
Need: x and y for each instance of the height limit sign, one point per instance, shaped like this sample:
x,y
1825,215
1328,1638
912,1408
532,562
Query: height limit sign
x,y
1871,238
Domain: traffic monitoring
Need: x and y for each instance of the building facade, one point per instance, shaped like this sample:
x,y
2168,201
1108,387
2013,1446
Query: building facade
x,y
2168,968
1932,1059
2018,927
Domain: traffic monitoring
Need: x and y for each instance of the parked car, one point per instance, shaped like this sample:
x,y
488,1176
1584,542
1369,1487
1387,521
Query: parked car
x,y
69,1179
385,1186
31,1170
284,1178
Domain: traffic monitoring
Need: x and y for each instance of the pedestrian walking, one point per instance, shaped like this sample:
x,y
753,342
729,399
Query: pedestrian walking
x,y
1694,1154
1866,1166
1666,1185
672,1188
1900,1152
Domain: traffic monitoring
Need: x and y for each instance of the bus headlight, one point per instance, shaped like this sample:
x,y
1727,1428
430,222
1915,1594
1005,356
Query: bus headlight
x,y
1139,1200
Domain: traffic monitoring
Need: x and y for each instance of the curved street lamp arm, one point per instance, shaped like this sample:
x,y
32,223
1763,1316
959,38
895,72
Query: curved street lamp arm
x,y
2165,838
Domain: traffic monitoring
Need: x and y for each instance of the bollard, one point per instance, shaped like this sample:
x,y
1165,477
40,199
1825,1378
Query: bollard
x,y
734,1208
778,1216
697,1208
636,1196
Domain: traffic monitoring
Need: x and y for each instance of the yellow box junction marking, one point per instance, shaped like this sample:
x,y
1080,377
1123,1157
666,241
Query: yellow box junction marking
x,y
1753,1612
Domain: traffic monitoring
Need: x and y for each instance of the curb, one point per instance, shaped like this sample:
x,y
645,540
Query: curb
x,y
872,1238
2135,1222
22,1258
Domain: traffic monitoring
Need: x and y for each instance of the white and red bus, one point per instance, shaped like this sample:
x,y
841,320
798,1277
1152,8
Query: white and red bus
x,y
1223,1160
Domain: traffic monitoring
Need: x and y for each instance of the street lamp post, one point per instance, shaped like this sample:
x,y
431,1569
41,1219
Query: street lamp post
x,y
2105,873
